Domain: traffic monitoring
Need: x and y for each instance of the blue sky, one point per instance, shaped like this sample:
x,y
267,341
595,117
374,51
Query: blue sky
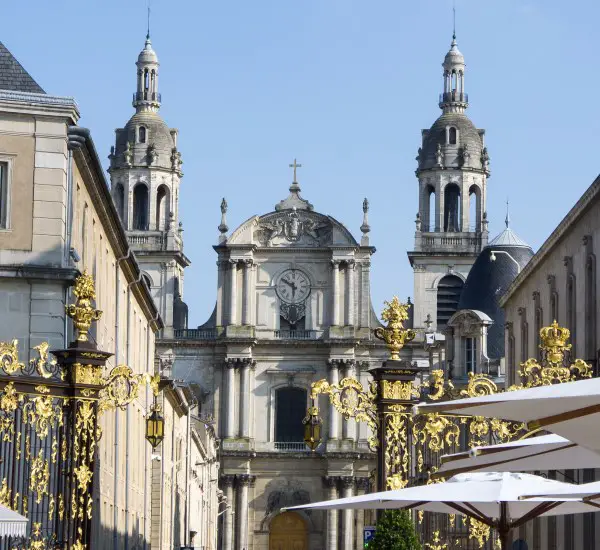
x,y
346,87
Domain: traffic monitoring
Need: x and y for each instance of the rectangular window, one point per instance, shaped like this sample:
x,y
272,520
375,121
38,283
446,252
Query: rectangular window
x,y
4,196
471,354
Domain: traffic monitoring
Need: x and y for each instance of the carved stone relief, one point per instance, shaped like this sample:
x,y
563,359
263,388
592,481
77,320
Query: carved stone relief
x,y
293,228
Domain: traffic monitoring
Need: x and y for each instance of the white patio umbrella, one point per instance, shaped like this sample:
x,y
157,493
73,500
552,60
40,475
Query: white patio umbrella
x,y
571,410
12,524
492,498
545,452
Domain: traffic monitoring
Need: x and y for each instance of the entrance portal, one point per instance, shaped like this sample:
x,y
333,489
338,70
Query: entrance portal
x,y
288,532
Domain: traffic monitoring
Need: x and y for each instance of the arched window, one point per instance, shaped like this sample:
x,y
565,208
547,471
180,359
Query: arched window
x,y
554,305
146,82
452,136
454,81
538,320
142,134
429,221
475,208
140,207
119,198
448,294
290,410
162,207
452,212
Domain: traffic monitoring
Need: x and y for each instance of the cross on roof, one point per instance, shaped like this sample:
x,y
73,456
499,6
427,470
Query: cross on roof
x,y
295,166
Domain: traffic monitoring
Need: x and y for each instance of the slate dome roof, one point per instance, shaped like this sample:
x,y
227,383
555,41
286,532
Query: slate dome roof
x,y
488,280
467,135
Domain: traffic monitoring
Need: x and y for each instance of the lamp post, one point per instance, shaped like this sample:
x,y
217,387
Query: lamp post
x,y
493,258
385,406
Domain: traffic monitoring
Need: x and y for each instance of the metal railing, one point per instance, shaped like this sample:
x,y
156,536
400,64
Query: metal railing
x,y
146,96
295,334
461,97
196,334
290,446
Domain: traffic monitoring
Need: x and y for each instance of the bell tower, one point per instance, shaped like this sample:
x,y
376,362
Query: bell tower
x,y
145,174
451,224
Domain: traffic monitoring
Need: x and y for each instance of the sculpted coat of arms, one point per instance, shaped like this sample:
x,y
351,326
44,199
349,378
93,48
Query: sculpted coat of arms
x,y
293,228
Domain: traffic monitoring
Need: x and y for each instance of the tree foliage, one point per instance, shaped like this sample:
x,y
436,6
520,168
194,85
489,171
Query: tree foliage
x,y
395,531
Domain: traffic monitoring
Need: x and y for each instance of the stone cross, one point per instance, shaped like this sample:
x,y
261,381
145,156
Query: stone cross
x,y
295,166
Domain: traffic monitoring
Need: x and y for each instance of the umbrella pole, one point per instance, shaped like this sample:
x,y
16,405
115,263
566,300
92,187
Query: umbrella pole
x,y
503,526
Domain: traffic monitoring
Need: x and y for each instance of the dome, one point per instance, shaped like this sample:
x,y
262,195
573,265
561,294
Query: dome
x,y
159,132
148,55
454,57
488,280
468,135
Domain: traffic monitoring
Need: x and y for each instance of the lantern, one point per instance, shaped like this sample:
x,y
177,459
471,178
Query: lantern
x,y
312,428
155,426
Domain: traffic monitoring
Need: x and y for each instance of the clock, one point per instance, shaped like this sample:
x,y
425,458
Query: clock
x,y
293,286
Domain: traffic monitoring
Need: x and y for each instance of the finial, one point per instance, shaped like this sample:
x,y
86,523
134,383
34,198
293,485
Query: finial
x,y
223,227
507,219
365,227
148,33
454,20
295,165
82,311
394,334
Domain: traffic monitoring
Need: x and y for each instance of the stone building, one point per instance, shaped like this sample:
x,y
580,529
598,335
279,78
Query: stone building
x,y
560,283
292,306
185,496
145,174
58,219
451,225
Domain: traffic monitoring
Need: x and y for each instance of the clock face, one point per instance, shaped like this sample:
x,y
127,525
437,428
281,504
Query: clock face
x,y
293,286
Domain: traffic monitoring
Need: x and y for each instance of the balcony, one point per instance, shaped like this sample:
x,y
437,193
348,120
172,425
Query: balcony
x,y
454,97
147,96
196,334
450,242
291,447
295,334
151,240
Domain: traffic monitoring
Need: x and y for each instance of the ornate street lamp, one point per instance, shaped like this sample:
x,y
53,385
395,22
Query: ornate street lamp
x,y
155,426
312,428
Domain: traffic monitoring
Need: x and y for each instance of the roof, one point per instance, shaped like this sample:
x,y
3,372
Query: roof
x,y
587,200
487,282
13,76
508,238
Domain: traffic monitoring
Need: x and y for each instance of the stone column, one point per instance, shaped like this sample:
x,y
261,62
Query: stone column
x,y
243,482
350,293
332,515
230,365
247,291
335,302
221,266
334,416
347,515
349,424
233,292
246,367
227,484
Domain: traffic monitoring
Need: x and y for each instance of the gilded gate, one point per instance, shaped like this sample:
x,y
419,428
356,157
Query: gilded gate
x,y
410,446
49,430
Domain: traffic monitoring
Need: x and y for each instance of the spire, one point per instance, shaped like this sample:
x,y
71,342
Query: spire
x,y
454,98
453,21
507,219
147,97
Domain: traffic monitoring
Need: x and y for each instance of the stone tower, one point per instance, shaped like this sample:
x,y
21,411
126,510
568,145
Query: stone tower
x,y
451,224
145,173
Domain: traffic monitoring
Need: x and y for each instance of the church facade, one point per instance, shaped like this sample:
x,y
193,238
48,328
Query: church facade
x,y
293,306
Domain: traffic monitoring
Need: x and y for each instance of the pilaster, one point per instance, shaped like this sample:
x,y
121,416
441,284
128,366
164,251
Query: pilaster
x,y
331,484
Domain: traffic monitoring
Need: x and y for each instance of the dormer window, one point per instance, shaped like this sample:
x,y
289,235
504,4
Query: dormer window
x,y
452,136
142,134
